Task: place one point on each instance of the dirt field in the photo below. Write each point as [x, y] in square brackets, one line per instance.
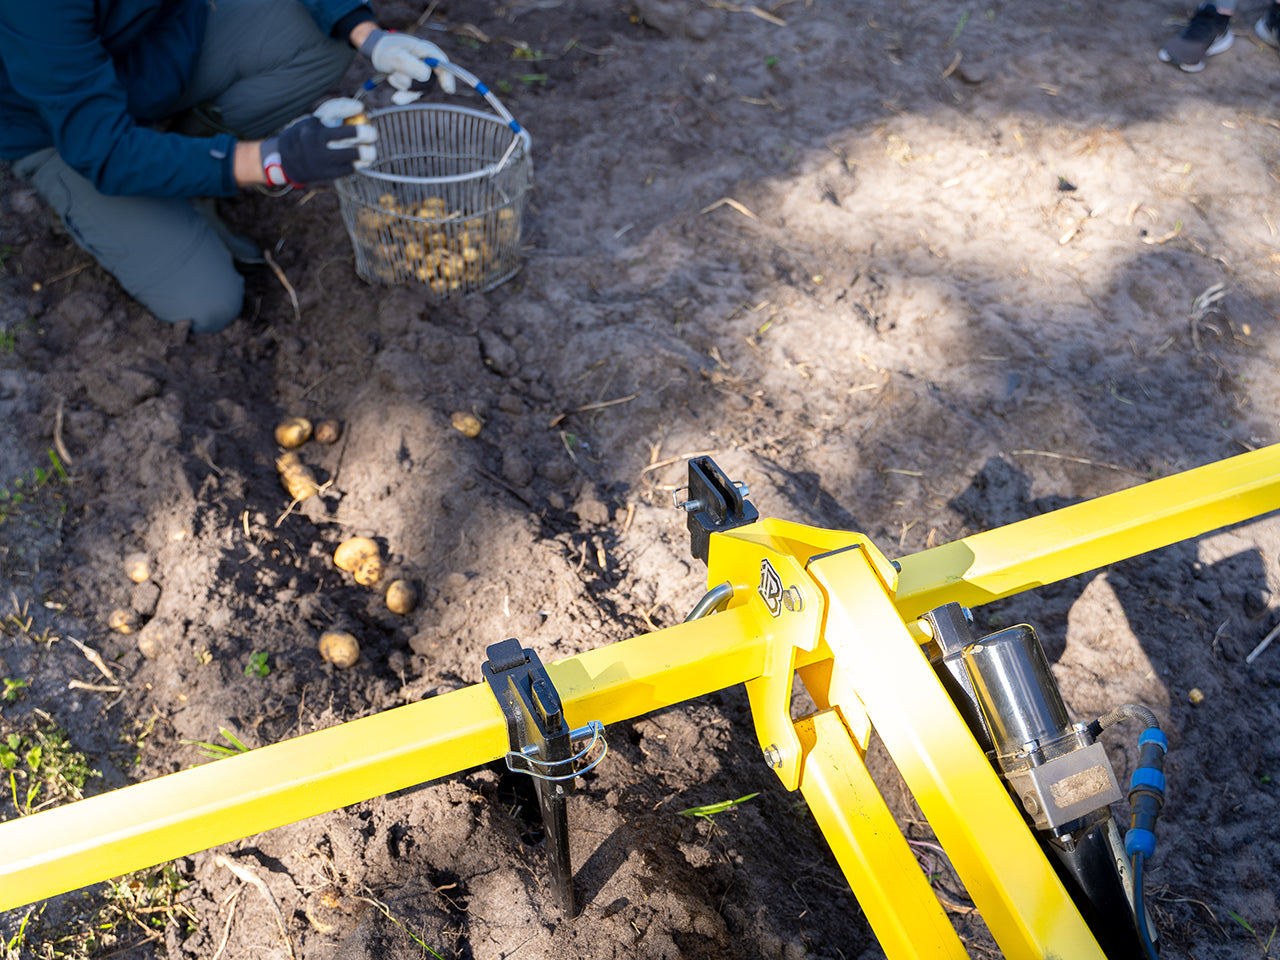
[912, 269]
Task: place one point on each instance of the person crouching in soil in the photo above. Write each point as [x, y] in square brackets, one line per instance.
[84, 85]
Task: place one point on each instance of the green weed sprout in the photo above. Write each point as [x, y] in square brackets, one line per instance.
[12, 690]
[216, 751]
[257, 665]
[711, 809]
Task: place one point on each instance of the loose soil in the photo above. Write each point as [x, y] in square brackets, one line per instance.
[912, 269]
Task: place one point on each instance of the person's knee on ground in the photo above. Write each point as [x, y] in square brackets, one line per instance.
[161, 250]
[210, 310]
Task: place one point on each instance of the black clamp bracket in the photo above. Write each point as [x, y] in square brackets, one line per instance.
[542, 746]
[714, 504]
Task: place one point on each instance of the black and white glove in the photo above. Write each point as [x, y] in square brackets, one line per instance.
[320, 147]
[400, 56]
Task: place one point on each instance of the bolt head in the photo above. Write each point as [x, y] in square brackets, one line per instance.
[793, 599]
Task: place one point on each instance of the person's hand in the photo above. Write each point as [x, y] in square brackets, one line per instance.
[336, 112]
[320, 147]
[400, 57]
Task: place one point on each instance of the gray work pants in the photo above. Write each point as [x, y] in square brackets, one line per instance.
[263, 62]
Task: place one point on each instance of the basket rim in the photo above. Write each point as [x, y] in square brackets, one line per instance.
[520, 139]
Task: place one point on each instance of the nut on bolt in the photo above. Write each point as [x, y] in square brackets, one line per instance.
[773, 756]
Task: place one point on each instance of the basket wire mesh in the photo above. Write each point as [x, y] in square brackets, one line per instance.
[444, 202]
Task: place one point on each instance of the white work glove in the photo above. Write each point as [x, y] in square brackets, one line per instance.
[336, 113]
[400, 57]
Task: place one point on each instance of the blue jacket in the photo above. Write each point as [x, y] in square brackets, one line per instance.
[87, 76]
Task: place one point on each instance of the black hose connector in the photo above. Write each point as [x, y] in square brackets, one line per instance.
[1146, 793]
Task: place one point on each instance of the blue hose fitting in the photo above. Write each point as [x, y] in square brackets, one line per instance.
[1146, 793]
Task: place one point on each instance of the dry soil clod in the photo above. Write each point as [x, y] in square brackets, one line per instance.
[339, 648]
[293, 432]
[402, 597]
[136, 567]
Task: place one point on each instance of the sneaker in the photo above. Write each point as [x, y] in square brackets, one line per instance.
[1209, 32]
[1268, 28]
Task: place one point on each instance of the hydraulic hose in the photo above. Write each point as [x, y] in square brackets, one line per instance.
[1126, 711]
[1139, 910]
[1146, 799]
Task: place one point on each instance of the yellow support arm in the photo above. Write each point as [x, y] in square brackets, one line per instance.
[158, 820]
[1088, 535]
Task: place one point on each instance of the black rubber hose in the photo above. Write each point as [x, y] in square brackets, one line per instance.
[1140, 910]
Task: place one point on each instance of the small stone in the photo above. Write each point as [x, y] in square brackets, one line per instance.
[1195, 696]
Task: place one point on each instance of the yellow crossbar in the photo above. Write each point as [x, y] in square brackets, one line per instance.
[1088, 535]
[151, 822]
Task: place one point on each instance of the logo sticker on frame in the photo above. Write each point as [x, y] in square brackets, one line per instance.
[770, 587]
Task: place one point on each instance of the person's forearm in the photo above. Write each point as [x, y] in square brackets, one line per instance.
[248, 163]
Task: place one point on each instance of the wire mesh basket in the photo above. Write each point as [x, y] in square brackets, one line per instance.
[444, 202]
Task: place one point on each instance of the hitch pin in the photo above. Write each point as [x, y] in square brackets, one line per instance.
[693, 506]
[529, 754]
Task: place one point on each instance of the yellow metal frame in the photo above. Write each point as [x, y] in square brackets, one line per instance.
[848, 627]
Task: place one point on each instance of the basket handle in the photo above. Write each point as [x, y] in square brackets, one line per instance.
[469, 78]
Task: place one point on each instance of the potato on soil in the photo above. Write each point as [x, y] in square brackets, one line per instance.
[123, 621]
[402, 597]
[293, 432]
[467, 424]
[296, 476]
[369, 571]
[328, 431]
[301, 483]
[351, 553]
[136, 567]
[339, 648]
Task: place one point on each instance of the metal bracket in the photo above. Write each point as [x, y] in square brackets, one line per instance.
[536, 729]
[715, 504]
